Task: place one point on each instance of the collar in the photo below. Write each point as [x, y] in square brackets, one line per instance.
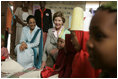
[42, 10]
[55, 31]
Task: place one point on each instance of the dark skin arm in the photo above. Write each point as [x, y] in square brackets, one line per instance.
[23, 46]
[19, 21]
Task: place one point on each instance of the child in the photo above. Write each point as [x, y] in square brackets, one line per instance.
[61, 54]
[81, 67]
[102, 44]
[4, 51]
[65, 58]
[60, 61]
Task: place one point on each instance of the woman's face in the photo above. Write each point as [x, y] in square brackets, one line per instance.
[102, 44]
[32, 23]
[58, 22]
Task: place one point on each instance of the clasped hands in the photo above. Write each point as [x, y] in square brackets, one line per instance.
[23, 46]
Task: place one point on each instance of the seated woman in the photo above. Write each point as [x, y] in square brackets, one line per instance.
[29, 51]
[50, 49]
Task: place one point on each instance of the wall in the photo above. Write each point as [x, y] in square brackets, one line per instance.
[65, 6]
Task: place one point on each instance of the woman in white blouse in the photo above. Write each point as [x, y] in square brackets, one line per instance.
[29, 52]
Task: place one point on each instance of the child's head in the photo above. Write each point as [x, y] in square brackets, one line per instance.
[102, 44]
[60, 43]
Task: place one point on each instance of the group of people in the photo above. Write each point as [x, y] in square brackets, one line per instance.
[72, 53]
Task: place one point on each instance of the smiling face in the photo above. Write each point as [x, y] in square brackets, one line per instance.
[102, 44]
[32, 23]
[58, 22]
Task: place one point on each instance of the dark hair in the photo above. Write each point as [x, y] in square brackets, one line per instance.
[26, 1]
[59, 14]
[110, 6]
[29, 17]
[42, 2]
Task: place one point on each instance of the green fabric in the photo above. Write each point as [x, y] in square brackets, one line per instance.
[111, 4]
[63, 33]
[2, 36]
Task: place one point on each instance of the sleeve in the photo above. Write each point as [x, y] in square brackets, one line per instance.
[23, 35]
[36, 42]
[17, 11]
[9, 18]
[46, 46]
[50, 18]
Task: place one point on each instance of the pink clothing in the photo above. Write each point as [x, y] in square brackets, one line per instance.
[4, 52]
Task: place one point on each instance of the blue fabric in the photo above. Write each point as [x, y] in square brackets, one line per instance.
[38, 57]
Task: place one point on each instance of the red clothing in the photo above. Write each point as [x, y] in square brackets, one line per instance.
[66, 68]
[81, 67]
[60, 59]
[4, 53]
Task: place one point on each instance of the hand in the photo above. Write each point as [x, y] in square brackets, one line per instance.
[54, 51]
[24, 24]
[23, 46]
